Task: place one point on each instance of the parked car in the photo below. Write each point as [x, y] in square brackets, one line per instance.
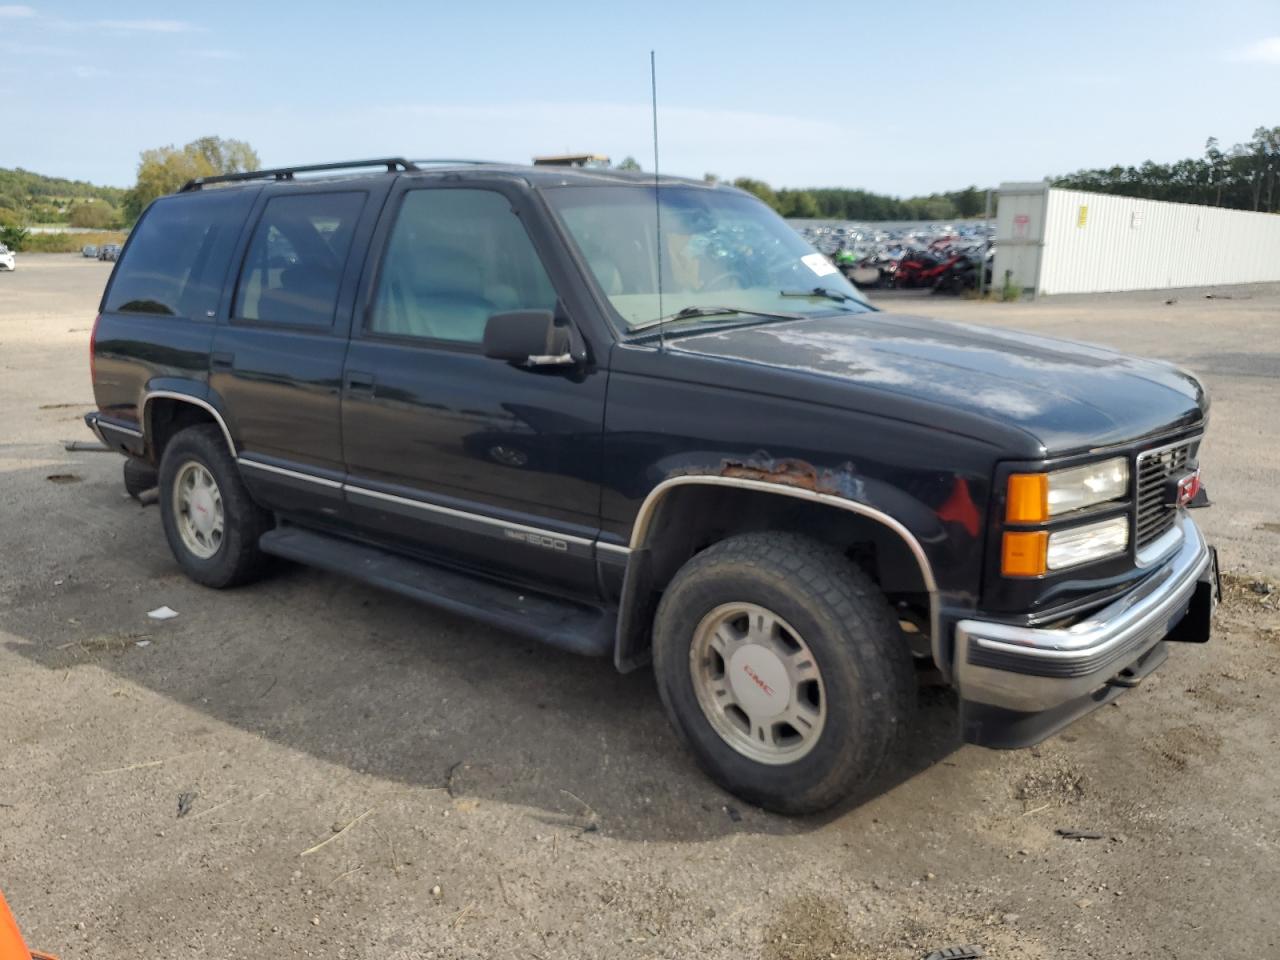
[109, 251]
[8, 261]
[464, 384]
[89, 250]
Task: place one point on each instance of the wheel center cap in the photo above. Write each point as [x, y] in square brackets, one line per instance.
[759, 680]
[202, 511]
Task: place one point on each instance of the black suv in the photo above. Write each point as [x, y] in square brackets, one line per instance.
[647, 420]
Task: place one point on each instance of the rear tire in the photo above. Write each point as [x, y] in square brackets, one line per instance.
[139, 477]
[832, 650]
[210, 521]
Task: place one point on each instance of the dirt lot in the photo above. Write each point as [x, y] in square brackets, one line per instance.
[369, 778]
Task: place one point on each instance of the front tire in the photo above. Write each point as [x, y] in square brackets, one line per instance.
[210, 521]
[783, 669]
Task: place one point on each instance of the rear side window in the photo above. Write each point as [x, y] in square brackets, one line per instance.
[177, 257]
[294, 264]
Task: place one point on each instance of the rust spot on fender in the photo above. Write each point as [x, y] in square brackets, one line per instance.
[788, 472]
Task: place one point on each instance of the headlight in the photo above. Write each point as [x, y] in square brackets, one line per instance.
[1093, 541]
[1033, 553]
[1035, 497]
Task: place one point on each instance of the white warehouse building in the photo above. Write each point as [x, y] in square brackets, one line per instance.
[1068, 241]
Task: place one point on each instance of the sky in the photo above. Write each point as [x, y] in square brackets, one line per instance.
[897, 98]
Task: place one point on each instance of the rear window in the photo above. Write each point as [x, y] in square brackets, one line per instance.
[177, 257]
[294, 264]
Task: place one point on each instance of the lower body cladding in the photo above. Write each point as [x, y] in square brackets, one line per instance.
[1019, 685]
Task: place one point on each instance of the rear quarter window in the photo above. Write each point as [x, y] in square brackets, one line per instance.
[176, 260]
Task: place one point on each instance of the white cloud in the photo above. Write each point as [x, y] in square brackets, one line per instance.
[145, 26]
[35, 50]
[1266, 50]
[15, 11]
[86, 72]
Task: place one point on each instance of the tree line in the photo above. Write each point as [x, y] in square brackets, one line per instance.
[27, 198]
[844, 203]
[1243, 177]
[847, 203]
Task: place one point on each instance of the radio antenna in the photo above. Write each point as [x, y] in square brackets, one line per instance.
[657, 200]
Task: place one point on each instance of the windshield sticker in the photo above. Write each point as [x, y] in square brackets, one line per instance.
[818, 264]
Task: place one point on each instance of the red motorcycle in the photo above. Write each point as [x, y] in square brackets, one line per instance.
[921, 269]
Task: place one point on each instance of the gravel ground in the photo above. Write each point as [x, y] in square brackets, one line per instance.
[364, 777]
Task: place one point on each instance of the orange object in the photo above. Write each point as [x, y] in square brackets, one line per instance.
[1025, 554]
[1028, 500]
[12, 946]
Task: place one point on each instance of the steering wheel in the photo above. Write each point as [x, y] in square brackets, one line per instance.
[715, 282]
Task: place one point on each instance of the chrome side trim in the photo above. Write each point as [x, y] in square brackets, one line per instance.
[645, 516]
[465, 515]
[92, 421]
[104, 424]
[188, 398]
[615, 548]
[296, 475]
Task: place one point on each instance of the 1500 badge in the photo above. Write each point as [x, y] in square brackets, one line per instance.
[537, 540]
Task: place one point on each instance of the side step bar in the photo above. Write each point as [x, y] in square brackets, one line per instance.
[578, 629]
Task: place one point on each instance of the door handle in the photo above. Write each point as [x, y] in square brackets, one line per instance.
[359, 382]
[222, 361]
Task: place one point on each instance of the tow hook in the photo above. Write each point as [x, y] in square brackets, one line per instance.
[1141, 668]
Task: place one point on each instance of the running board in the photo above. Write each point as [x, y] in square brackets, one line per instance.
[569, 626]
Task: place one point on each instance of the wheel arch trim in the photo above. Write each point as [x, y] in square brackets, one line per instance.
[648, 510]
[186, 398]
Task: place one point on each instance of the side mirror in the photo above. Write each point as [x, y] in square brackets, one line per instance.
[529, 338]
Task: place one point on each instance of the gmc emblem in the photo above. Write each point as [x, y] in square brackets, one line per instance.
[1183, 490]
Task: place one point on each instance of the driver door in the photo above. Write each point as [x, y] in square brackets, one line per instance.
[471, 460]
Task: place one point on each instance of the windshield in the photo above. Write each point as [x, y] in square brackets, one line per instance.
[720, 249]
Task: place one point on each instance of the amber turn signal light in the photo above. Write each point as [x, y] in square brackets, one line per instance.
[1025, 553]
[1028, 500]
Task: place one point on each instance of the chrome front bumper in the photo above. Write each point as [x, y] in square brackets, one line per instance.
[1019, 685]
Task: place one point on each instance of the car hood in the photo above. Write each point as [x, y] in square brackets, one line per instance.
[1068, 395]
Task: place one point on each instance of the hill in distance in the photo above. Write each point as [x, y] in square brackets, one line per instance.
[31, 198]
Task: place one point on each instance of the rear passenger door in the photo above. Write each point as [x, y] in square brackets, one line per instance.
[449, 452]
[277, 361]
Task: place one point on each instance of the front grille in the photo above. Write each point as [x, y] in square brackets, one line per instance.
[1155, 514]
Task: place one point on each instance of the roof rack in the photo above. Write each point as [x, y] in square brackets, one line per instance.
[469, 163]
[393, 164]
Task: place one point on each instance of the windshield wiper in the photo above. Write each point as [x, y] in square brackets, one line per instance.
[694, 313]
[835, 295]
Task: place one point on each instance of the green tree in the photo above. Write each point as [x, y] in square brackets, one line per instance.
[226, 156]
[798, 203]
[165, 169]
[969, 202]
[629, 163]
[15, 238]
[96, 215]
[1246, 176]
[759, 188]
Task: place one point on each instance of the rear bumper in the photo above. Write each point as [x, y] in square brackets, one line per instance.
[1019, 685]
[120, 437]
